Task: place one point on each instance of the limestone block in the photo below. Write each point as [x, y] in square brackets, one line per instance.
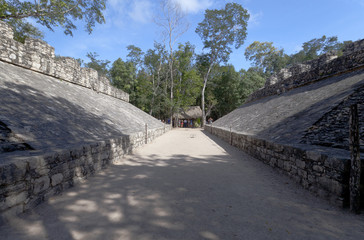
[11, 173]
[314, 156]
[56, 179]
[318, 169]
[302, 173]
[39, 46]
[301, 164]
[331, 185]
[283, 74]
[287, 166]
[6, 31]
[273, 162]
[311, 178]
[13, 200]
[41, 184]
[13, 188]
[280, 163]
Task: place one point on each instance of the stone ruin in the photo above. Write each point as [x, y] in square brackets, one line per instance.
[39, 56]
[59, 123]
[311, 71]
[299, 122]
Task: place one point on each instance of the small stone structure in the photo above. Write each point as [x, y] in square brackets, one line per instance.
[59, 123]
[38, 56]
[299, 122]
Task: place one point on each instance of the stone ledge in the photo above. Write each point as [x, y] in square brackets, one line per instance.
[328, 65]
[39, 56]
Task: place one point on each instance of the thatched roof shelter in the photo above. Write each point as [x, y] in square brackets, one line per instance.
[193, 112]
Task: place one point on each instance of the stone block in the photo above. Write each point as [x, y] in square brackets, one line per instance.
[302, 173]
[56, 179]
[318, 169]
[13, 188]
[287, 166]
[13, 200]
[314, 156]
[306, 184]
[273, 162]
[280, 163]
[41, 184]
[11, 173]
[311, 178]
[301, 164]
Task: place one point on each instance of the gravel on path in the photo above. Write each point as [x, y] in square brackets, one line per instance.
[186, 185]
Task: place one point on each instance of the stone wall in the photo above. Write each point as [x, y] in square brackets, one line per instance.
[38, 56]
[29, 180]
[312, 71]
[332, 130]
[327, 176]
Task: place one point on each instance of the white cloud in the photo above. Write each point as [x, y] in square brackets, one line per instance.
[194, 6]
[141, 11]
[255, 18]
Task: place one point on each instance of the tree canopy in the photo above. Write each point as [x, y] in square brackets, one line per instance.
[266, 57]
[219, 30]
[55, 13]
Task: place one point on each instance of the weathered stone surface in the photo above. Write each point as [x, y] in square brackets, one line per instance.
[299, 75]
[70, 114]
[73, 129]
[56, 179]
[13, 200]
[37, 55]
[332, 129]
[285, 118]
[313, 170]
[41, 184]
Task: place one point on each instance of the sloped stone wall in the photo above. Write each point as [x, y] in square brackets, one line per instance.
[26, 181]
[74, 132]
[312, 71]
[332, 130]
[38, 56]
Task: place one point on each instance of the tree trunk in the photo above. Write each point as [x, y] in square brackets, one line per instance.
[203, 120]
[172, 85]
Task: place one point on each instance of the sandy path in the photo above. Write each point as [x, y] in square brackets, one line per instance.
[186, 185]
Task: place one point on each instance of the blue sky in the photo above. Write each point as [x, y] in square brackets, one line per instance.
[286, 23]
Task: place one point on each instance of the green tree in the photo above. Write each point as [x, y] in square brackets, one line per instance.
[55, 13]
[250, 81]
[227, 90]
[155, 62]
[174, 25]
[135, 55]
[188, 82]
[143, 91]
[266, 57]
[220, 29]
[101, 66]
[23, 30]
[316, 47]
[123, 77]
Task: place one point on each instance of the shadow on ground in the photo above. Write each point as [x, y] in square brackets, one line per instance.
[223, 194]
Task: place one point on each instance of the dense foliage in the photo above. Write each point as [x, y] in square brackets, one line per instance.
[51, 14]
[146, 76]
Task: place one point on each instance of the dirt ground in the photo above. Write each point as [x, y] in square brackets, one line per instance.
[186, 185]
